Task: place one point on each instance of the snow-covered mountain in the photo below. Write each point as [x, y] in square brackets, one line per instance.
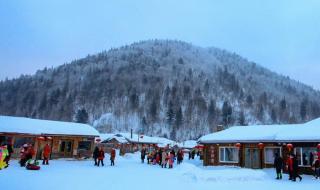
[162, 87]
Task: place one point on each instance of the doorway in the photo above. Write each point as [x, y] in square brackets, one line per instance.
[252, 158]
[65, 148]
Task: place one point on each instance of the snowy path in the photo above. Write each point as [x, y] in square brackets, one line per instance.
[129, 173]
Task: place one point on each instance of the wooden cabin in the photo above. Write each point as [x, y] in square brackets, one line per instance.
[255, 146]
[66, 139]
[128, 142]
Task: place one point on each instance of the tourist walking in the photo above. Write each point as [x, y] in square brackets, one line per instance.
[278, 165]
[316, 166]
[143, 155]
[295, 169]
[95, 155]
[46, 154]
[112, 156]
[100, 156]
[164, 159]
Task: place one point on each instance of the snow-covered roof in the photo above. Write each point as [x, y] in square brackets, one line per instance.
[126, 137]
[188, 144]
[306, 132]
[110, 136]
[9, 124]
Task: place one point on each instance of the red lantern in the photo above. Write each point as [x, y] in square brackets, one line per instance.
[238, 145]
[260, 145]
[289, 146]
[41, 138]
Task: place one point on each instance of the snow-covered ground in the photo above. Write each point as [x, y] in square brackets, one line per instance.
[129, 173]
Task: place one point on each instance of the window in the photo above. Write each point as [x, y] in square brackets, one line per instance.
[269, 154]
[305, 155]
[84, 145]
[20, 141]
[228, 154]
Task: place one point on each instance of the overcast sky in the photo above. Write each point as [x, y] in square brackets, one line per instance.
[283, 36]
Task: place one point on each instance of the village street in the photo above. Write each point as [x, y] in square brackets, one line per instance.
[129, 173]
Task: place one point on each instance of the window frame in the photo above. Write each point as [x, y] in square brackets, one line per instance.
[224, 154]
[301, 157]
[271, 147]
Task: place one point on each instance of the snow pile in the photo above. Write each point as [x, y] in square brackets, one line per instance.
[265, 133]
[24, 125]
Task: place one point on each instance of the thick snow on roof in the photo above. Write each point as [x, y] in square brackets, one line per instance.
[267, 133]
[126, 137]
[109, 136]
[9, 124]
[188, 144]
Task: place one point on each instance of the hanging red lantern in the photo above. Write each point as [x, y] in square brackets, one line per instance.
[41, 138]
[260, 145]
[289, 146]
[318, 146]
[238, 145]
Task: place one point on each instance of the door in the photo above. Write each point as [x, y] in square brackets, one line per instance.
[252, 158]
[66, 148]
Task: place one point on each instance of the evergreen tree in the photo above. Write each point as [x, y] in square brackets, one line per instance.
[170, 114]
[242, 119]
[179, 118]
[226, 113]
[82, 116]
[303, 109]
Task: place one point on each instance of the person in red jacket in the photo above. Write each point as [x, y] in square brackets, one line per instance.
[112, 156]
[46, 154]
[100, 156]
[290, 166]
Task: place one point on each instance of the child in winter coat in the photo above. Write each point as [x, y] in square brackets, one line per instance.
[112, 156]
[46, 154]
[100, 156]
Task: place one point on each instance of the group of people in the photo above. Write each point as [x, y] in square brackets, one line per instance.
[292, 166]
[162, 157]
[27, 153]
[98, 156]
[5, 154]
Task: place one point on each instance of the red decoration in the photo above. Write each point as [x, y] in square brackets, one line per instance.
[199, 146]
[41, 138]
[318, 146]
[238, 145]
[289, 146]
[260, 145]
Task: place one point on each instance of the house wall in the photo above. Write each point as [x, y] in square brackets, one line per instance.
[55, 144]
[211, 154]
